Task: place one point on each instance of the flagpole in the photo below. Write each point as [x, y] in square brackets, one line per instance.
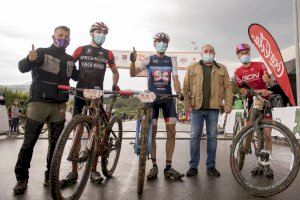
[297, 56]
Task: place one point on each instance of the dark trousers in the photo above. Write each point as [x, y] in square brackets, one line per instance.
[14, 124]
[32, 131]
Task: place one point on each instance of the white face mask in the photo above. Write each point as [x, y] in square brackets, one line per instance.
[99, 38]
[208, 58]
[245, 59]
[161, 47]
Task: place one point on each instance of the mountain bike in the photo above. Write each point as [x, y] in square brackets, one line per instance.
[144, 138]
[250, 145]
[95, 134]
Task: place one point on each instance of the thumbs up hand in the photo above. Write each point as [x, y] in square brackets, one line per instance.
[266, 77]
[133, 55]
[32, 56]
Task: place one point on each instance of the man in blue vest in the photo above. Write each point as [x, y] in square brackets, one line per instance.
[160, 70]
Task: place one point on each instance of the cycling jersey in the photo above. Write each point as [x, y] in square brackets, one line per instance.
[159, 71]
[251, 75]
[92, 65]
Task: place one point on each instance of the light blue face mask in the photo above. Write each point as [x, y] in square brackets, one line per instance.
[208, 58]
[161, 47]
[245, 59]
[99, 39]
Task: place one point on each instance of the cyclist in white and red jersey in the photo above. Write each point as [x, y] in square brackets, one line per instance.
[256, 76]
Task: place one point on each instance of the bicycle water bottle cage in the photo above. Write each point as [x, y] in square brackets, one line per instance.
[92, 93]
[147, 97]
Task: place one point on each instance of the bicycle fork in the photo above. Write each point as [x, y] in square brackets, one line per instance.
[74, 152]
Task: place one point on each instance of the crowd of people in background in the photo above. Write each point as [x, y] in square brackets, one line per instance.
[183, 116]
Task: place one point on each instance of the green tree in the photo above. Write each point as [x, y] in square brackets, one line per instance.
[10, 96]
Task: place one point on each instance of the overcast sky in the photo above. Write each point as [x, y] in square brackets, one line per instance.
[222, 23]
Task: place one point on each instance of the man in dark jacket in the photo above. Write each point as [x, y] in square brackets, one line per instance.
[49, 67]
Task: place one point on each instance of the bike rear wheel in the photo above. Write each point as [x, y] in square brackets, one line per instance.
[284, 159]
[65, 154]
[143, 153]
[21, 127]
[111, 155]
[45, 128]
[238, 125]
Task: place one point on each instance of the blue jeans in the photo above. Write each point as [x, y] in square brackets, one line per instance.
[198, 117]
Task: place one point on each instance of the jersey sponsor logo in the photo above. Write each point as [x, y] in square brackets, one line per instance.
[88, 51]
[238, 79]
[251, 77]
[92, 65]
[161, 75]
[155, 61]
[94, 58]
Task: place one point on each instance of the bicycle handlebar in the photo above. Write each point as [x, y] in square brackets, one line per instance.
[167, 96]
[124, 93]
[251, 91]
[64, 87]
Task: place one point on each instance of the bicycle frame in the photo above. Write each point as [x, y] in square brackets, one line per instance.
[100, 116]
[257, 131]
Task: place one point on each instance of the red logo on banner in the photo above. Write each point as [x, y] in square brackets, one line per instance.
[269, 51]
[124, 57]
[183, 60]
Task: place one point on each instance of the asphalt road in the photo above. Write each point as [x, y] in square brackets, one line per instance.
[123, 184]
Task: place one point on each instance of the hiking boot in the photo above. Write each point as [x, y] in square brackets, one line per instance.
[69, 180]
[171, 173]
[213, 172]
[20, 187]
[268, 172]
[257, 170]
[192, 172]
[96, 177]
[152, 173]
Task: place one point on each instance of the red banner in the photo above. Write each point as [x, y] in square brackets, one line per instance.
[269, 51]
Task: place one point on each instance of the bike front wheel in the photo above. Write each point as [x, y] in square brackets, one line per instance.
[266, 171]
[76, 152]
[143, 153]
[238, 125]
